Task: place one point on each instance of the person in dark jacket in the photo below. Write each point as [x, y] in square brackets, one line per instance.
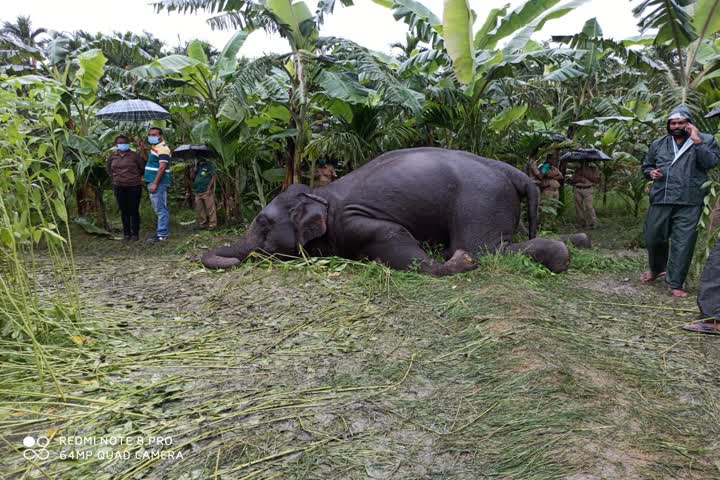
[677, 164]
[709, 295]
[125, 167]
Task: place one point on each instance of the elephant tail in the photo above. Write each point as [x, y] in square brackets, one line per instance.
[532, 194]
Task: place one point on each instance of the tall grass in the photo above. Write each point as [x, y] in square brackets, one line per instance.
[34, 234]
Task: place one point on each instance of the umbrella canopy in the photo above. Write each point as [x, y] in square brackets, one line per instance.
[585, 155]
[192, 150]
[713, 113]
[133, 111]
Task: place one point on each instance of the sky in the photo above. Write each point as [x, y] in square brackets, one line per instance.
[366, 23]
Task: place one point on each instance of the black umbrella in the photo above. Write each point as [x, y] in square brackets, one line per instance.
[192, 150]
[585, 155]
[713, 113]
[133, 111]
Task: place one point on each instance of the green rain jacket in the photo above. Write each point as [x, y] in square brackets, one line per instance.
[683, 177]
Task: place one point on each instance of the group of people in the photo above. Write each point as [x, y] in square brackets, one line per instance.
[129, 170]
[677, 164]
[549, 178]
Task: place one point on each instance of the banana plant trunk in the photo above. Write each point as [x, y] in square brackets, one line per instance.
[298, 112]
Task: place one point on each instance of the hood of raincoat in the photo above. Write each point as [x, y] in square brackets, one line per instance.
[682, 110]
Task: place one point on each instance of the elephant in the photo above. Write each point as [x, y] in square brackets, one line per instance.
[386, 209]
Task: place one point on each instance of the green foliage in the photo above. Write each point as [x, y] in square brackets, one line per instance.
[632, 186]
[33, 217]
[593, 261]
[512, 263]
[457, 28]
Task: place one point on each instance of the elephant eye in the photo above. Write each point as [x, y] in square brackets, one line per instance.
[262, 221]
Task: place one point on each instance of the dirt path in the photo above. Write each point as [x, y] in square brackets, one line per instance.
[331, 370]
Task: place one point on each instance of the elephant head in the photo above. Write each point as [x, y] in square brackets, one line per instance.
[293, 218]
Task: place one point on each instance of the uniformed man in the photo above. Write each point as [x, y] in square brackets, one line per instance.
[677, 164]
[324, 174]
[584, 178]
[548, 177]
[203, 185]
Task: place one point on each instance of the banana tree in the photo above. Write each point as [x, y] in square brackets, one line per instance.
[79, 76]
[473, 53]
[17, 57]
[478, 64]
[688, 29]
[217, 89]
[295, 22]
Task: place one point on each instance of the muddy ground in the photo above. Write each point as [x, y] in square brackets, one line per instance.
[330, 369]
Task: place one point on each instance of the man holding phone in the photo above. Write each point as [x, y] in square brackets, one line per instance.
[677, 164]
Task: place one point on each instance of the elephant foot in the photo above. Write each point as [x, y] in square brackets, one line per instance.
[553, 254]
[461, 261]
[579, 240]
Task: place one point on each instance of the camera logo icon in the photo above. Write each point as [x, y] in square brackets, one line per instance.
[35, 448]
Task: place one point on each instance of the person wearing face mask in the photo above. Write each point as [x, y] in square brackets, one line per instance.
[678, 165]
[125, 168]
[157, 178]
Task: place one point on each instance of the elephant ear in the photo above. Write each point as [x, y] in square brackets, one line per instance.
[309, 217]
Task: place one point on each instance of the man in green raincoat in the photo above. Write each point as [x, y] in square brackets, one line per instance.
[677, 164]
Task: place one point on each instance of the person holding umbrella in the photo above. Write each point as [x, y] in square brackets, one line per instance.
[585, 176]
[157, 173]
[157, 178]
[204, 187]
[125, 168]
[678, 165]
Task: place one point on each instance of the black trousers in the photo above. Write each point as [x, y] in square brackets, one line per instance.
[709, 294]
[128, 199]
[670, 235]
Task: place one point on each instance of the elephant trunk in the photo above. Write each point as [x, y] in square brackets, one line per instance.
[532, 193]
[227, 257]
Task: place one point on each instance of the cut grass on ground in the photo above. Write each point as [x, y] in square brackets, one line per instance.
[322, 368]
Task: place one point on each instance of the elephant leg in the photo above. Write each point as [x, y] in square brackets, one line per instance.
[479, 236]
[553, 254]
[394, 246]
[579, 240]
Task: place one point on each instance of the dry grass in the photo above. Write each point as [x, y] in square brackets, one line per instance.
[329, 369]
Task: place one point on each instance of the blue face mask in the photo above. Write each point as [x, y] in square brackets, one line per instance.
[153, 139]
[123, 147]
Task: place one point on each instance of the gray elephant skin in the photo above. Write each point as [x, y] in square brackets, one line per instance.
[386, 209]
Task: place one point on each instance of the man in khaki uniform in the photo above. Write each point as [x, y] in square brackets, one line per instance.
[324, 174]
[585, 177]
[534, 173]
[550, 178]
[205, 193]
